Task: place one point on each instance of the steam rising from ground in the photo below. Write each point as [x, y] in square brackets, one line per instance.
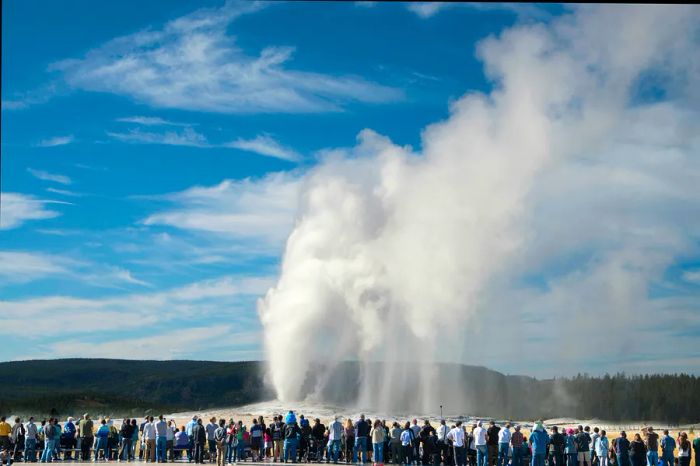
[585, 151]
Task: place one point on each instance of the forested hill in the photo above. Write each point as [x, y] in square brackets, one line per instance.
[122, 387]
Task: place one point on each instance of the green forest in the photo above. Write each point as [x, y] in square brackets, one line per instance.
[122, 387]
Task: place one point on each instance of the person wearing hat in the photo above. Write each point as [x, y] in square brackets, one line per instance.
[539, 440]
[516, 443]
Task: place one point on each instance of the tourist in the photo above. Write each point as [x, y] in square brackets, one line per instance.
[241, 434]
[406, 444]
[362, 429]
[570, 449]
[318, 432]
[148, 438]
[557, 443]
[668, 446]
[86, 434]
[161, 430]
[441, 433]
[291, 434]
[539, 440]
[231, 442]
[602, 447]
[457, 437]
[516, 442]
[17, 435]
[592, 444]
[5, 432]
[335, 436]
[134, 438]
[504, 445]
[583, 441]
[210, 429]
[277, 430]
[638, 451]
[378, 435]
[199, 439]
[652, 443]
[170, 440]
[182, 441]
[102, 439]
[188, 428]
[49, 442]
[696, 449]
[622, 450]
[480, 443]
[492, 443]
[31, 433]
[220, 441]
[684, 450]
[126, 435]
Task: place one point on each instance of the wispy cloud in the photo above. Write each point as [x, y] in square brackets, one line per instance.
[266, 145]
[56, 141]
[46, 176]
[19, 266]
[186, 137]
[150, 121]
[429, 9]
[16, 209]
[63, 192]
[193, 64]
[261, 210]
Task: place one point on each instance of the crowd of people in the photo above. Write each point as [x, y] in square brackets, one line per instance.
[288, 439]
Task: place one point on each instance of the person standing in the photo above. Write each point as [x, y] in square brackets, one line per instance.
[87, 436]
[220, 440]
[638, 451]
[570, 449]
[125, 435]
[335, 435]
[69, 438]
[18, 435]
[211, 441]
[161, 428]
[652, 444]
[539, 440]
[149, 440]
[482, 452]
[516, 442]
[459, 447]
[101, 437]
[684, 450]
[361, 433]
[188, 429]
[31, 433]
[668, 446]
[277, 429]
[377, 435]
[49, 442]
[504, 445]
[199, 436]
[602, 447]
[5, 432]
[583, 441]
[170, 440]
[406, 444]
[441, 433]
[291, 438]
[231, 443]
[622, 450]
[492, 443]
[558, 442]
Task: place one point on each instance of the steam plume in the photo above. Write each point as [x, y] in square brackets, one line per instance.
[415, 257]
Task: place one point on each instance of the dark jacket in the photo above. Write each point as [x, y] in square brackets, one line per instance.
[291, 431]
[199, 434]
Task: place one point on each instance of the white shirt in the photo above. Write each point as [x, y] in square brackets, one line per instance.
[170, 433]
[161, 428]
[405, 438]
[479, 436]
[442, 432]
[149, 431]
[457, 436]
[504, 436]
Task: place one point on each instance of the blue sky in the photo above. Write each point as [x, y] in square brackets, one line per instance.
[152, 152]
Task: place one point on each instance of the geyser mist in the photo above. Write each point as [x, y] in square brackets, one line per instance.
[411, 258]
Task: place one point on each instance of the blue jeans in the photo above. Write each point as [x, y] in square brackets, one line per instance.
[652, 458]
[230, 453]
[240, 449]
[161, 449]
[378, 450]
[624, 460]
[482, 455]
[335, 445]
[360, 444]
[47, 454]
[30, 449]
[503, 454]
[517, 456]
[101, 445]
[667, 459]
[290, 450]
[537, 459]
[572, 459]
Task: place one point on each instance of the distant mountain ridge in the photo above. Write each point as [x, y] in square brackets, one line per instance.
[128, 387]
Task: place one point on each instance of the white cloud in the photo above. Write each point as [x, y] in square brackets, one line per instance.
[19, 267]
[266, 145]
[692, 276]
[64, 192]
[427, 10]
[56, 141]
[259, 210]
[218, 298]
[187, 137]
[150, 121]
[16, 208]
[46, 176]
[191, 63]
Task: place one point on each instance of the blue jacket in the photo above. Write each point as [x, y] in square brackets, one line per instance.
[570, 446]
[668, 445]
[539, 441]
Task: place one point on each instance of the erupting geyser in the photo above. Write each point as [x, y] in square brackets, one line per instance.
[415, 257]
